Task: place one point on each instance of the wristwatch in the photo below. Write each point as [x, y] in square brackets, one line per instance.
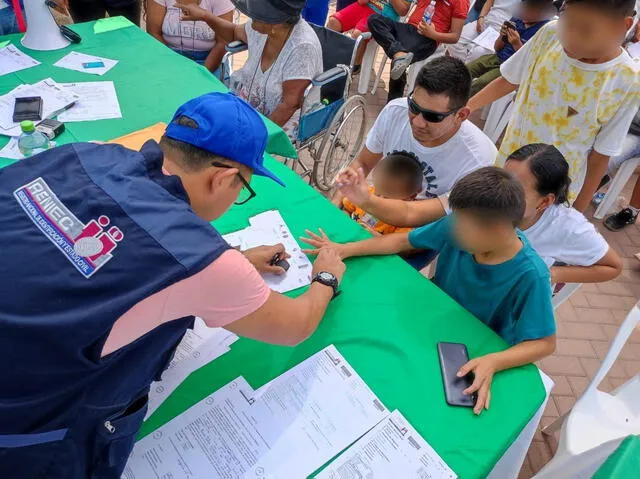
[328, 280]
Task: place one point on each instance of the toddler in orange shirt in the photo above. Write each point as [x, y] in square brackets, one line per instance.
[398, 176]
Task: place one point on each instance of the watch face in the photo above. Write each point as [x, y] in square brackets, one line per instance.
[326, 276]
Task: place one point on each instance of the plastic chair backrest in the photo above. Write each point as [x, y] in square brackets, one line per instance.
[626, 328]
[337, 49]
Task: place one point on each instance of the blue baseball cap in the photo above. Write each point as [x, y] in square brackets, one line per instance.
[225, 125]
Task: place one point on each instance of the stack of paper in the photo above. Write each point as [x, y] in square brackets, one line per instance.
[392, 449]
[269, 228]
[98, 101]
[286, 429]
[55, 99]
[487, 38]
[13, 60]
[198, 347]
[75, 61]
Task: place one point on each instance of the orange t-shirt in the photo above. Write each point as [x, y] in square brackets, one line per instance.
[359, 214]
[445, 11]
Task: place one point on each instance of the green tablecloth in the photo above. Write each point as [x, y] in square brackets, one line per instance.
[624, 463]
[151, 82]
[386, 323]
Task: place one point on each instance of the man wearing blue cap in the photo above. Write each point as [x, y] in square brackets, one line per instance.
[110, 255]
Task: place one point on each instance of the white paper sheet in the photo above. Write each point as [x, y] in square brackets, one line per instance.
[13, 60]
[634, 50]
[198, 347]
[286, 429]
[269, 228]
[55, 99]
[98, 101]
[74, 61]
[392, 449]
[487, 38]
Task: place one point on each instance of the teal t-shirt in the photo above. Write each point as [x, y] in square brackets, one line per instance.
[385, 8]
[512, 298]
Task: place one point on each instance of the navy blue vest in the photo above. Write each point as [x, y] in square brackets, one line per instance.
[86, 232]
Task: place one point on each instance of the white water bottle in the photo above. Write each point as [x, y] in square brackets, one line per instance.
[429, 11]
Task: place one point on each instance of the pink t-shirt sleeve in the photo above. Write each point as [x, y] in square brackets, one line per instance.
[228, 289]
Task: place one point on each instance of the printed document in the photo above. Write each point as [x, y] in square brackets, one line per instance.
[75, 61]
[287, 429]
[98, 101]
[13, 60]
[392, 449]
[487, 38]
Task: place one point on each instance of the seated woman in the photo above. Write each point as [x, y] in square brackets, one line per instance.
[284, 54]
[565, 240]
[192, 39]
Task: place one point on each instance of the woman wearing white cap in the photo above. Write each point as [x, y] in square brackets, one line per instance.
[284, 56]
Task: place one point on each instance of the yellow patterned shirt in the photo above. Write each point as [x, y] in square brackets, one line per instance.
[573, 105]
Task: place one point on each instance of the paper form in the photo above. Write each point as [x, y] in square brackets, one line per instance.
[269, 228]
[487, 39]
[74, 61]
[392, 449]
[287, 429]
[55, 99]
[13, 60]
[198, 347]
[98, 101]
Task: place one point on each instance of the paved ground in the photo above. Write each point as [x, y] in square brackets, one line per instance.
[586, 323]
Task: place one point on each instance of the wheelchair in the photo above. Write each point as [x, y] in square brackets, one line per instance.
[332, 131]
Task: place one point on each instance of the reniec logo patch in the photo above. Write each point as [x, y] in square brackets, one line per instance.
[88, 247]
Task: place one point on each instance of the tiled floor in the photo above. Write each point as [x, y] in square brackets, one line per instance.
[586, 323]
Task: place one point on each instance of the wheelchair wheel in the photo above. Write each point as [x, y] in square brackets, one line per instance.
[341, 142]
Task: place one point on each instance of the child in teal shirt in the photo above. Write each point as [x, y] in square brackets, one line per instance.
[486, 265]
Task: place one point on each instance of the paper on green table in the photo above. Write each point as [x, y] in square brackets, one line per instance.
[5, 43]
[111, 23]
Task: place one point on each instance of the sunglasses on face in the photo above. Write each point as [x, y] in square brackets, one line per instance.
[429, 115]
[246, 193]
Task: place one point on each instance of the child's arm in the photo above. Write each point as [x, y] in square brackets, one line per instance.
[597, 165]
[401, 6]
[606, 269]
[486, 366]
[452, 36]
[380, 245]
[353, 186]
[494, 90]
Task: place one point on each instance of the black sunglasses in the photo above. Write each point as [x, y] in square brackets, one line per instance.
[429, 115]
[245, 183]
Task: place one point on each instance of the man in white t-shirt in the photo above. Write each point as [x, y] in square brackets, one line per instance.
[493, 15]
[432, 124]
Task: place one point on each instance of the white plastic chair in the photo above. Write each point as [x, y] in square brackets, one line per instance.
[499, 116]
[564, 293]
[616, 186]
[598, 421]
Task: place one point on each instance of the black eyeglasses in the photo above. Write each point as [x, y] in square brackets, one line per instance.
[429, 115]
[247, 192]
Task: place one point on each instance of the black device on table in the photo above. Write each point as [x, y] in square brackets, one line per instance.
[452, 357]
[50, 128]
[508, 24]
[27, 108]
[278, 261]
[62, 17]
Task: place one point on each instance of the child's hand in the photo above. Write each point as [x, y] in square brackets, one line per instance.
[483, 369]
[368, 227]
[513, 37]
[426, 29]
[353, 186]
[319, 242]
[191, 12]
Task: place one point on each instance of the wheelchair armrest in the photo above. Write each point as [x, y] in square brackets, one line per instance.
[329, 76]
[236, 46]
[365, 35]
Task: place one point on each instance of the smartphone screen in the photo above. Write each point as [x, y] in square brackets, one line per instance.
[452, 357]
[59, 12]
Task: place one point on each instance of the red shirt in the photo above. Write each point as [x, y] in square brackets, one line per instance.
[445, 11]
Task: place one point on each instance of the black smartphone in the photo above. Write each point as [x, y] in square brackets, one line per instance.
[508, 24]
[27, 108]
[452, 357]
[62, 17]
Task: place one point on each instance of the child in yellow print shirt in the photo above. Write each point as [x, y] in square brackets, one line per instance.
[398, 176]
[577, 89]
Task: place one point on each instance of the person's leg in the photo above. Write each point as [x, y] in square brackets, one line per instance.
[461, 49]
[87, 10]
[348, 18]
[483, 80]
[8, 21]
[416, 48]
[626, 216]
[130, 10]
[316, 11]
[383, 30]
[483, 71]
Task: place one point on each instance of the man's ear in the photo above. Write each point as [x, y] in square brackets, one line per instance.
[220, 177]
[463, 113]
